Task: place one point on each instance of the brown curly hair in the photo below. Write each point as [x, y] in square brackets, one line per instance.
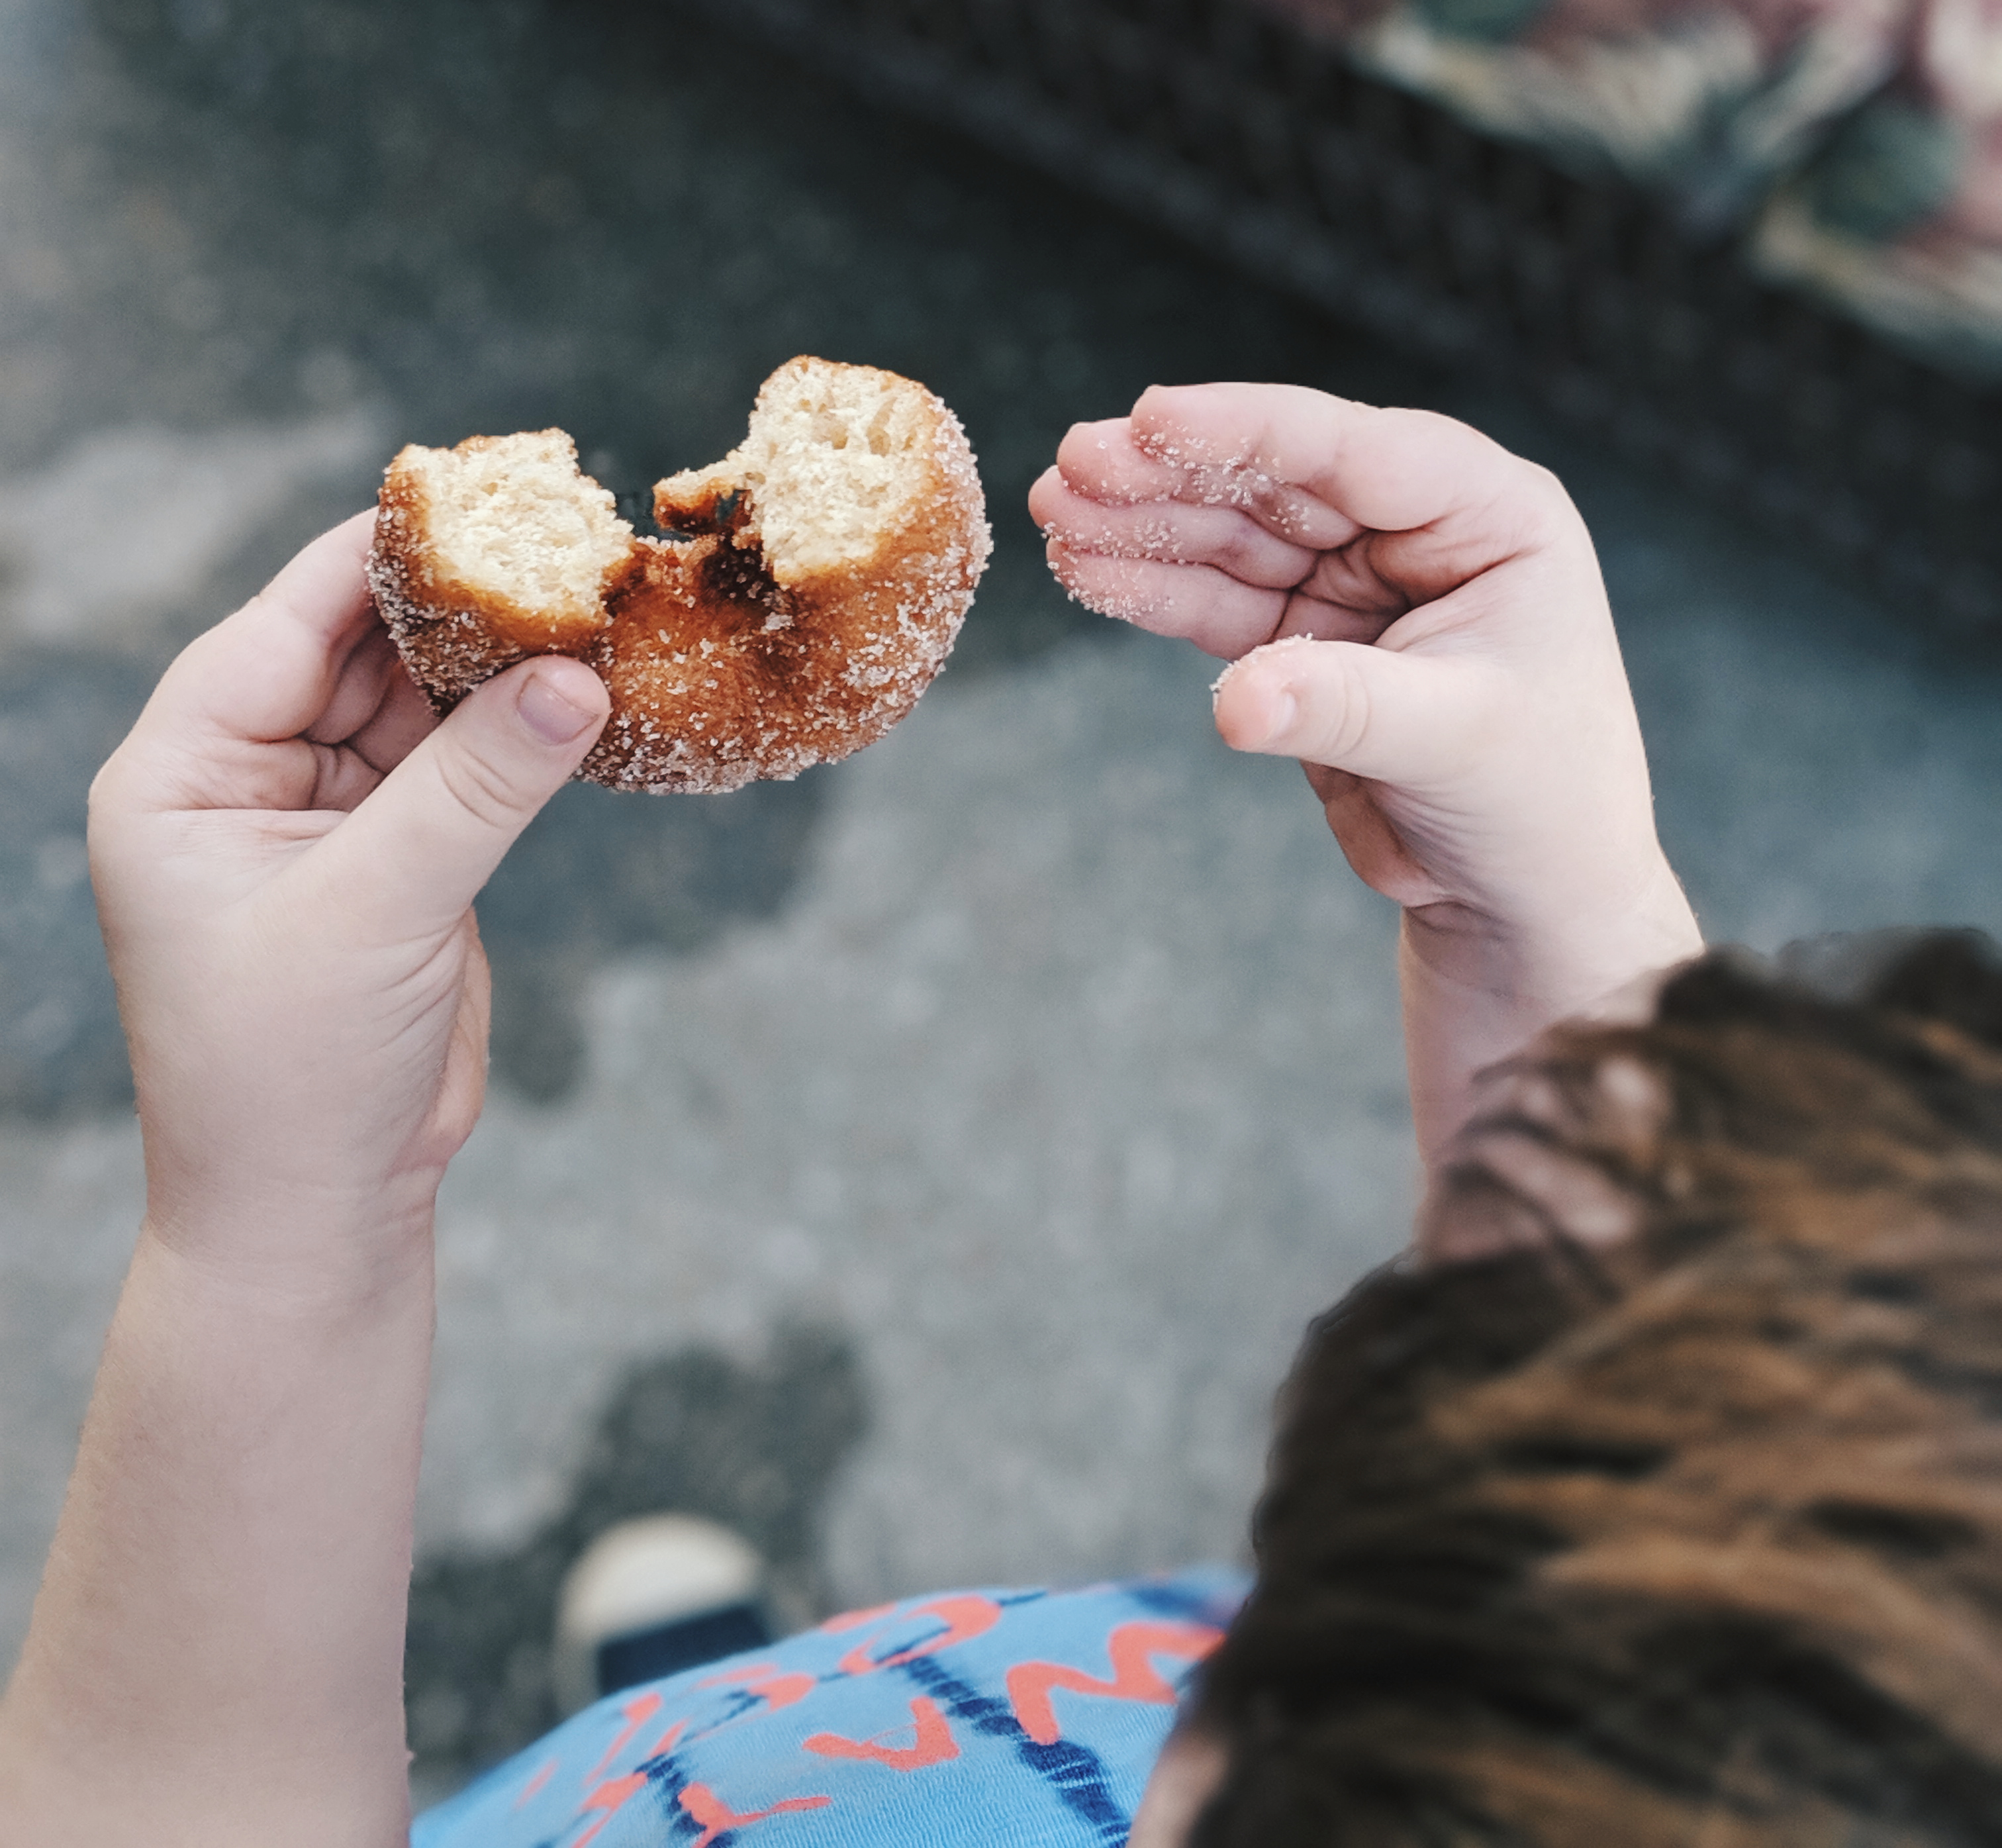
[1680, 1521]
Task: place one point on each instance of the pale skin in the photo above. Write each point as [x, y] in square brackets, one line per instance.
[1417, 616]
[286, 852]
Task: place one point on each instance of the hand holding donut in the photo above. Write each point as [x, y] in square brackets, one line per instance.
[287, 846]
[1417, 615]
[286, 851]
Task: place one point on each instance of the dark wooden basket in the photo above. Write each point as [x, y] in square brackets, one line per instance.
[1237, 130]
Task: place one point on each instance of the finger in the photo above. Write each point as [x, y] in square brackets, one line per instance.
[1117, 463]
[342, 780]
[1390, 471]
[361, 682]
[1217, 612]
[1354, 578]
[396, 726]
[345, 772]
[408, 861]
[1102, 462]
[267, 671]
[1376, 713]
[1323, 622]
[1168, 530]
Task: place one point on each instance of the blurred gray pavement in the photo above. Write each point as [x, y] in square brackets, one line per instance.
[929, 1165]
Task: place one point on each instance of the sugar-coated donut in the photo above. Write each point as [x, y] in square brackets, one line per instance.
[809, 586]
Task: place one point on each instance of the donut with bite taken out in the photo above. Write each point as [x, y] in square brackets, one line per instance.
[803, 591]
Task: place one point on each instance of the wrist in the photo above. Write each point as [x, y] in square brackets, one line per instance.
[1478, 987]
[290, 1248]
[1548, 961]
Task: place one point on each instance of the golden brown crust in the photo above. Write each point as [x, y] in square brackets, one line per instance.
[719, 674]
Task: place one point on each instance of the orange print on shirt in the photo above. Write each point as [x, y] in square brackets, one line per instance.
[965, 1618]
[775, 1688]
[1130, 1646]
[534, 1786]
[704, 1806]
[611, 1797]
[854, 1619]
[935, 1744]
[637, 1712]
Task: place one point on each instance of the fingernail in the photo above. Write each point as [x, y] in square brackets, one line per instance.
[549, 712]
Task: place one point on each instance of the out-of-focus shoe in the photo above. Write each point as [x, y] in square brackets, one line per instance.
[652, 1596]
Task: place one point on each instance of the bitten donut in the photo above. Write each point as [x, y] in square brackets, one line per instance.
[806, 591]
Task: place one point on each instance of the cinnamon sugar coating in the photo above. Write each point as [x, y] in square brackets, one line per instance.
[727, 659]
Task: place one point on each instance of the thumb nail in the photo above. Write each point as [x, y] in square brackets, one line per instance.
[549, 712]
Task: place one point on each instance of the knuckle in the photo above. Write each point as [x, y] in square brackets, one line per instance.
[482, 789]
[1332, 719]
[1347, 721]
[1545, 499]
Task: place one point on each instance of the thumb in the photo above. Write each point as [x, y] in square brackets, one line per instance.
[1376, 713]
[412, 856]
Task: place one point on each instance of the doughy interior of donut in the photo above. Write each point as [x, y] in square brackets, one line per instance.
[832, 456]
[511, 516]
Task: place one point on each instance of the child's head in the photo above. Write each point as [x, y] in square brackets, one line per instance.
[1681, 1521]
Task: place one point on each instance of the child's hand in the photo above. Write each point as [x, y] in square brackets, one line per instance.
[1417, 615]
[286, 851]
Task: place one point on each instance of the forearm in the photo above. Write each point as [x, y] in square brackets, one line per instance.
[1474, 994]
[216, 1655]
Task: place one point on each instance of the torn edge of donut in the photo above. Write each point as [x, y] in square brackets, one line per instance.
[854, 485]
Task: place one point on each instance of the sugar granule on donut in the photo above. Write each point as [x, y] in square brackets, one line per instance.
[805, 590]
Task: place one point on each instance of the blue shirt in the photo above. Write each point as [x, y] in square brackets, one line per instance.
[961, 1721]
